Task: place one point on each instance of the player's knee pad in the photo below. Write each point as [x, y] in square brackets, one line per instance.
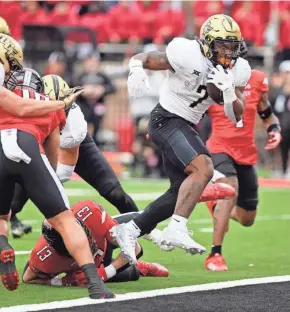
[121, 200]
[247, 204]
[64, 172]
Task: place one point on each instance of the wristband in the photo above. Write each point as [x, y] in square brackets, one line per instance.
[110, 271]
[274, 128]
[229, 96]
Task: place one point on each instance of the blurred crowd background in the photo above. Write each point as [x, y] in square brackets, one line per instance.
[89, 43]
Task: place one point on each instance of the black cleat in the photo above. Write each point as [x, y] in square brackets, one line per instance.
[18, 229]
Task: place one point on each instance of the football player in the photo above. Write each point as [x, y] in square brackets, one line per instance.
[190, 65]
[234, 155]
[49, 258]
[23, 161]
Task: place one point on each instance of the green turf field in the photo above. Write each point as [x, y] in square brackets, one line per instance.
[261, 250]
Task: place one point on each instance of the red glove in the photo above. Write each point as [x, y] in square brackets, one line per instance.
[77, 278]
[273, 141]
[102, 273]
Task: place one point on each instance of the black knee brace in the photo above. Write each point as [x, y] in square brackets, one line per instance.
[121, 200]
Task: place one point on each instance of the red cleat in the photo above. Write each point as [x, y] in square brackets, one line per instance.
[216, 263]
[152, 269]
[216, 191]
[8, 271]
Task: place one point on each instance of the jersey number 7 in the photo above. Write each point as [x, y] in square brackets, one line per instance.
[202, 91]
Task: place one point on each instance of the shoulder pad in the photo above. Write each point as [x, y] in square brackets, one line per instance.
[183, 53]
[242, 72]
[2, 75]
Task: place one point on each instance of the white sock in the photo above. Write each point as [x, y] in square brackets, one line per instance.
[134, 228]
[110, 271]
[177, 223]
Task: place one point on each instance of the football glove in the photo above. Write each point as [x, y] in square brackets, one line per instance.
[222, 79]
[138, 82]
[102, 272]
[70, 96]
[77, 278]
[273, 140]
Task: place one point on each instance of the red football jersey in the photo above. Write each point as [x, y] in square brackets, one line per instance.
[238, 140]
[40, 127]
[47, 263]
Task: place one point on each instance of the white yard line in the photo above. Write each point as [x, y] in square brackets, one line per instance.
[146, 294]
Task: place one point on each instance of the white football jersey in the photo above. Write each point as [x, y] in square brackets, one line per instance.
[75, 129]
[2, 75]
[184, 90]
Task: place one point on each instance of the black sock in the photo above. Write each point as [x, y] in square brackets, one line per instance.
[3, 242]
[97, 288]
[216, 249]
[13, 219]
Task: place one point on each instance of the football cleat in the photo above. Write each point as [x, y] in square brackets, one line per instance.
[156, 236]
[126, 241]
[215, 191]
[182, 239]
[216, 262]
[8, 271]
[152, 269]
[18, 229]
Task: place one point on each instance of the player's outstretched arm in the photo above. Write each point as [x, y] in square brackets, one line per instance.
[270, 121]
[239, 103]
[22, 107]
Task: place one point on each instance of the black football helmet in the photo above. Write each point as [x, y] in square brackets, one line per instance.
[25, 77]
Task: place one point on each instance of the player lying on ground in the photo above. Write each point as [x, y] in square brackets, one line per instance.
[184, 98]
[49, 258]
[23, 160]
[234, 154]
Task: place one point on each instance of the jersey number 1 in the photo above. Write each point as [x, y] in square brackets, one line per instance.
[202, 91]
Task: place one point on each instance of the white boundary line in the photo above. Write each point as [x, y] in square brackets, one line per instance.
[146, 294]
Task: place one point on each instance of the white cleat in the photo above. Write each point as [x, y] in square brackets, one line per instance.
[182, 239]
[156, 236]
[126, 241]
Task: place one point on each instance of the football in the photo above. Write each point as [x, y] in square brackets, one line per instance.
[215, 93]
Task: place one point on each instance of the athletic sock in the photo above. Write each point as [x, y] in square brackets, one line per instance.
[97, 288]
[178, 223]
[3, 242]
[216, 249]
